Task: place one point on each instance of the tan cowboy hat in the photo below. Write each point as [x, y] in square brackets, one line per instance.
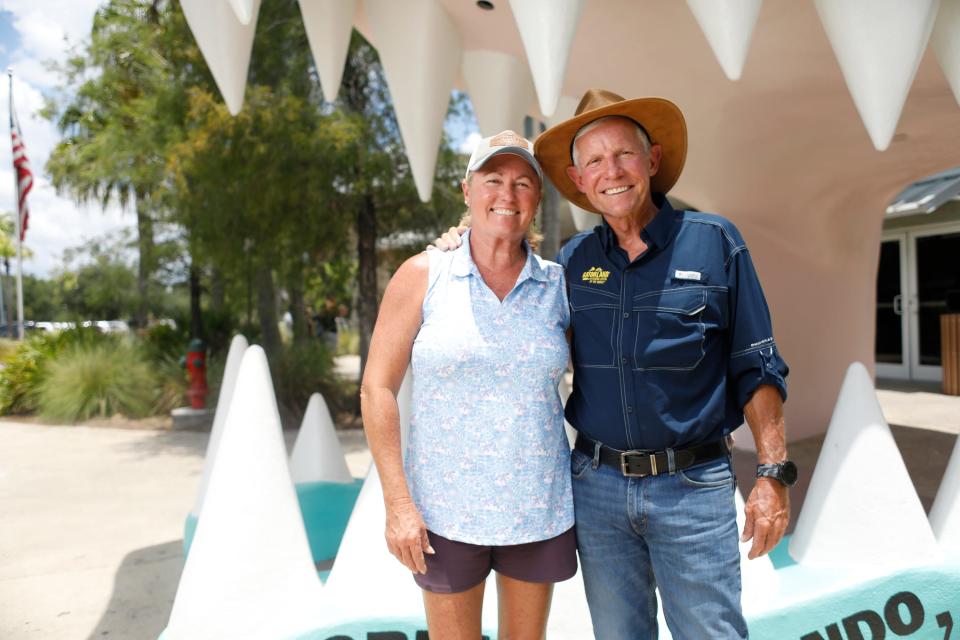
[661, 119]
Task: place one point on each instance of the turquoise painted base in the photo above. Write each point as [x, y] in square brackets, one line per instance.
[920, 603]
[399, 629]
[325, 507]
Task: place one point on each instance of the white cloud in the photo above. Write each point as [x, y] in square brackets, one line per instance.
[470, 142]
[46, 30]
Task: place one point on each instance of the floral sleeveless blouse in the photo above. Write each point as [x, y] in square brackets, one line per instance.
[487, 459]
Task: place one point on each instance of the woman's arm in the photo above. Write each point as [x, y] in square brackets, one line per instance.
[397, 325]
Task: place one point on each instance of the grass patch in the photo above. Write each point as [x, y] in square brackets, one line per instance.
[98, 379]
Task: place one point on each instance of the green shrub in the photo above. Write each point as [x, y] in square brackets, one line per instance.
[299, 371]
[24, 370]
[99, 378]
[162, 342]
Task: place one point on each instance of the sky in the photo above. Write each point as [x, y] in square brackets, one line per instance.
[33, 32]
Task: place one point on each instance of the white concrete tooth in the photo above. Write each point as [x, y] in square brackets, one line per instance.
[566, 108]
[329, 24]
[945, 512]
[547, 28]
[363, 553]
[946, 43]
[226, 44]
[420, 49]
[500, 89]
[405, 407]
[583, 220]
[759, 579]
[317, 455]
[245, 9]
[565, 389]
[249, 573]
[878, 44]
[861, 510]
[728, 26]
[238, 346]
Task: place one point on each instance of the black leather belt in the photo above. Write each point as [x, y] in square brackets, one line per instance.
[640, 463]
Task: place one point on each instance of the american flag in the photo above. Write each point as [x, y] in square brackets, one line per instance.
[22, 166]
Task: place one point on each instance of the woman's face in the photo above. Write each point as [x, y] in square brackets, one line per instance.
[503, 196]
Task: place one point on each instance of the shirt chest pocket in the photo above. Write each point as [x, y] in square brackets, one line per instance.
[594, 321]
[670, 329]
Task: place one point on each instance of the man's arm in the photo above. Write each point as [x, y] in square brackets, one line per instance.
[768, 507]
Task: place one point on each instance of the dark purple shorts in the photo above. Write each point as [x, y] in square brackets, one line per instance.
[459, 566]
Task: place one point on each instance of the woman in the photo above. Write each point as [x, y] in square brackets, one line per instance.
[486, 483]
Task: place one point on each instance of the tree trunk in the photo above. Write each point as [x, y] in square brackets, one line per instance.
[267, 311]
[298, 308]
[366, 274]
[196, 319]
[218, 291]
[145, 261]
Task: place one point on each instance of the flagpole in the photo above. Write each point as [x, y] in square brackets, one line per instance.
[16, 215]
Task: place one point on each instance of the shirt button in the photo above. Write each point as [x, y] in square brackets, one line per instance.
[626, 314]
[629, 409]
[623, 360]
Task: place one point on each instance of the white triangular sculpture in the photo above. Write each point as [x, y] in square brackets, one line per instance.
[570, 616]
[566, 108]
[759, 579]
[245, 9]
[861, 509]
[317, 455]
[583, 220]
[249, 573]
[329, 24]
[946, 43]
[226, 44]
[405, 407]
[500, 89]
[945, 512]
[878, 44]
[419, 48]
[728, 26]
[238, 346]
[547, 28]
[363, 553]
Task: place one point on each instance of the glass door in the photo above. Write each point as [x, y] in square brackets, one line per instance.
[935, 290]
[891, 346]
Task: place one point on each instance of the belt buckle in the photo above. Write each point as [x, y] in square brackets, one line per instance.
[623, 464]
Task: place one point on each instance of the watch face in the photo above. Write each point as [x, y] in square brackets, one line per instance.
[788, 473]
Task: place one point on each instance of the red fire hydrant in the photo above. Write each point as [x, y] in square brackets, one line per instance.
[196, 364]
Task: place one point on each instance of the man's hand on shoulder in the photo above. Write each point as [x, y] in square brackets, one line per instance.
[449, 240]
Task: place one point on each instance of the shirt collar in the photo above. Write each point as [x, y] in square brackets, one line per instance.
[463, 264]
[658, 231]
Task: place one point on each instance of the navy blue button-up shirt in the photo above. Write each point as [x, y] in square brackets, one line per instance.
[668, 348]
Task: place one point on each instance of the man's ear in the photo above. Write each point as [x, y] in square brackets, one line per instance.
[656, 153]
[574, 176]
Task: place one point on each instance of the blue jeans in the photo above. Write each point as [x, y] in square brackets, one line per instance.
[676, 532]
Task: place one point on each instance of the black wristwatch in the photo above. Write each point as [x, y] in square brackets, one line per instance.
[784, 472]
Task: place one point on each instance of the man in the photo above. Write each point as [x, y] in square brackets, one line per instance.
[672, 346]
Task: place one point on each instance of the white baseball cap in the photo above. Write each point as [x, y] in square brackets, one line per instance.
[503, 142]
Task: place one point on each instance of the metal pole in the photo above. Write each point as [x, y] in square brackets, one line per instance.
[16, 215]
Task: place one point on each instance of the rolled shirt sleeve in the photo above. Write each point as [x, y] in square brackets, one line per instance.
[754, 357]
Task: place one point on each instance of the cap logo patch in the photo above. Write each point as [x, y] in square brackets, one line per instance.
[509, 139]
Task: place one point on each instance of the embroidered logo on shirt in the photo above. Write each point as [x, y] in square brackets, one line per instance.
[595, 275]
[686, 275]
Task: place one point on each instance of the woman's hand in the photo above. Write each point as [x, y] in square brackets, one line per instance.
[407, 535]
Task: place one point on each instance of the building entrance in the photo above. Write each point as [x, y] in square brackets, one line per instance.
[918, 280]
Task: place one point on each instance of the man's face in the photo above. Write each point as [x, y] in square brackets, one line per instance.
[613, 169]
